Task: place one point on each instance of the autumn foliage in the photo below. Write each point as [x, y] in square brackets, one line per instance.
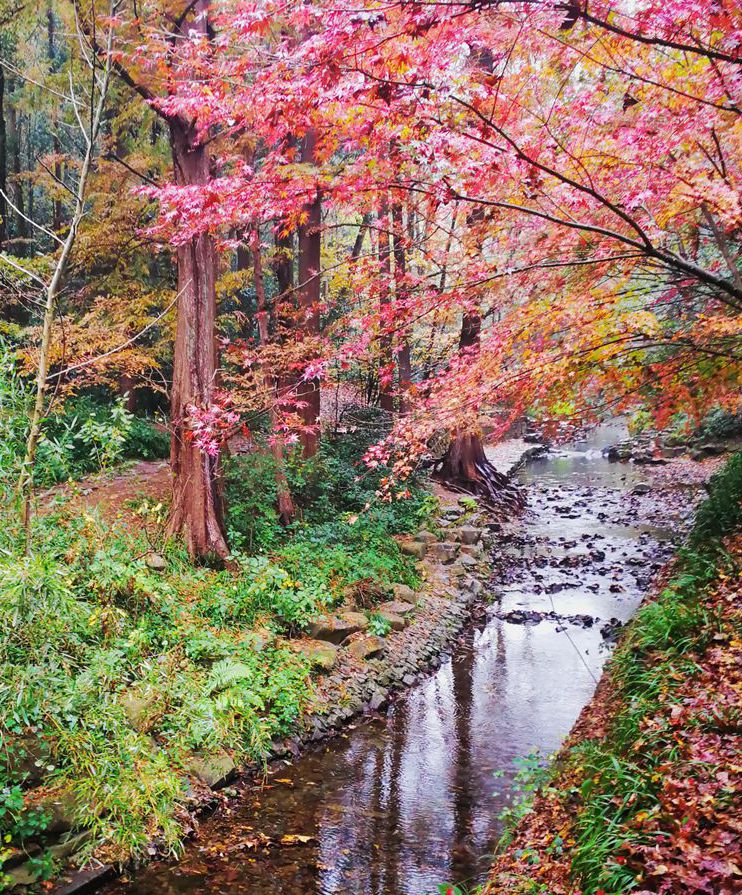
[565, 177]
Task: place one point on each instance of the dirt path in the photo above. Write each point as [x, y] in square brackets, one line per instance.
[113, 494]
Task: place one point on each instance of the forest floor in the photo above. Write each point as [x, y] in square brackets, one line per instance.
[644, 795]
[113, 493]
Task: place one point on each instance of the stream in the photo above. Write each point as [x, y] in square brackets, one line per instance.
[399, 804]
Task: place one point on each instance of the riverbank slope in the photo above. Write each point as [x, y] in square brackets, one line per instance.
[644, 794]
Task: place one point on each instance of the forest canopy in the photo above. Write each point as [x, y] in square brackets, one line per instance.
[245, 214]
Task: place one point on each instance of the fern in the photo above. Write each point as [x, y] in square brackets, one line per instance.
[226, 674]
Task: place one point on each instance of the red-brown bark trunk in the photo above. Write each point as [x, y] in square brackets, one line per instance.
[285, 503]
[310, 259]
[386, 359]
[127, 390]
[465, 466]
[197, 512]
[404, 356]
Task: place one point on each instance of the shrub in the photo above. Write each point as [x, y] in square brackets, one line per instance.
[38, 610]
[719, 423]
[721, 512]
[146, 441]
[264, 588]
[333, 484]
[83, 622]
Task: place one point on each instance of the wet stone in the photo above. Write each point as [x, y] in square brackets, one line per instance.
[444, 552]
[357, 619]
[403, 594]
[457, 570]
[321, 654]
[26, 757]
[397, 607]
[474, 586]
[367, 648]
[24, 875]
[214, 770]
[468, 535]
[413, 548]
[62, 810]
[135, 708]
[522, 617]
[378, 701]
[259, 639]
[156, 562]
[611, 629]
[69, 845]
[335, 628]
[427, 537]
[395, 622]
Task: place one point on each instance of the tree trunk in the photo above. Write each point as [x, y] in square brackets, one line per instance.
[127, 391]
[471, 327]
[284, 311]
[386, 359]
[197, 512]
[284, 264]
[286, 511]
[56, 146]
[465, 466]
[21, 225]
[404, 359]
[3, 163]
[310, 259]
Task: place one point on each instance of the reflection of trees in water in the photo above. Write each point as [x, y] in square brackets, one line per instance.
[361, 842]
[463, 857]
[382, 842]
[386, 862]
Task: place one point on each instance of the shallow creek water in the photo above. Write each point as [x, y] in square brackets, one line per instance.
[399, 804]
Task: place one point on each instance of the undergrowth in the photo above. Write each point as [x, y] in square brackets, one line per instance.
[114, 673]
[80, 436]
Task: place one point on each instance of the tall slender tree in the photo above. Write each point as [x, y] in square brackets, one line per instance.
[197, 510]
[310, 261]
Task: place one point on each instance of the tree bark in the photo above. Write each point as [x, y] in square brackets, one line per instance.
[21, 225]
[3, 163]
[386, 389]
[284, 264]
[404, 358]
[285, 503]
[465, 466]
[310, 259]
[56, 146]
[127, 391]
[197, 512]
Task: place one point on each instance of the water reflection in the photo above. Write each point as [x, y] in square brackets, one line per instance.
[401, 804]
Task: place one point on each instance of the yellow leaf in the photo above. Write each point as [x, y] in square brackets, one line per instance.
[296, 839]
